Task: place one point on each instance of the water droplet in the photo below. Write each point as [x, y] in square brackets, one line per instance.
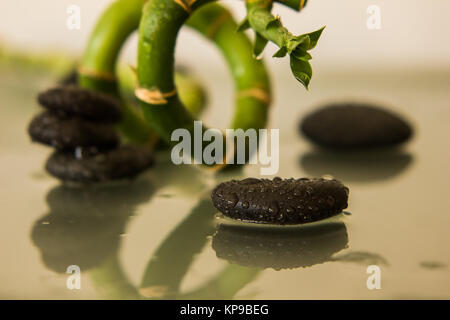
[274, 208]
[289, 210]
[232, 200]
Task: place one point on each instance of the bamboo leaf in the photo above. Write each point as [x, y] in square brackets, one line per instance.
[274, 23]
[301, 70]
[313, 39]
[260, 44]
[280, 53]
[244, 25]
[302, 54]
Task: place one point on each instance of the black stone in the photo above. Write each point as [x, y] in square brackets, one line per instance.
[68, 101]
[355, 126]
[278, 201]
[122, 163]
[68, 134]
[279, 248]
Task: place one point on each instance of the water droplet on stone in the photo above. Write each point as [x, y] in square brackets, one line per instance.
[274, 208]
[232, 200]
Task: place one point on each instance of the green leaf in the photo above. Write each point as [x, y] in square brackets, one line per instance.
[301, 54]
[274, 23]
[260, 44]
[280, 53]
[301, 70]
[244, 25]
[313, 38]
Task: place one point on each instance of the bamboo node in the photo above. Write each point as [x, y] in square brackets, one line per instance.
[185, 4]
[257, 93]
[96, 74]
[153, 96]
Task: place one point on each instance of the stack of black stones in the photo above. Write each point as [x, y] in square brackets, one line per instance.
[79, 124]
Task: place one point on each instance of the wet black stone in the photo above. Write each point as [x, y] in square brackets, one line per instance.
[355, 126]
[269, 247]
[122, 163]
[67, 101]
[67, 134]
[280, 201]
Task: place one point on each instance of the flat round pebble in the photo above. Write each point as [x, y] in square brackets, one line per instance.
[70, 133]
[355, 126]
[68, 101]
[269, 247]
[280, 201]
[124, 162]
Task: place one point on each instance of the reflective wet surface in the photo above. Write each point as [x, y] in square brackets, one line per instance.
[160, 237]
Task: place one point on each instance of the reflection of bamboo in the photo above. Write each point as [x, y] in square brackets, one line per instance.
[170, 263]
[225, 285]
[111, 282]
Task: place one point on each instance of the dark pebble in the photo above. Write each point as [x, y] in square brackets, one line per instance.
[121, 163]
[68, 101]
[355, 126]
[276, 248]
[278, 201]
[67, 134]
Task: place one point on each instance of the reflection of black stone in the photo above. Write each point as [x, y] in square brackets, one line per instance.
[356, 166]
[280, 201]
[279, 248]
[84, 225]
[355, 126]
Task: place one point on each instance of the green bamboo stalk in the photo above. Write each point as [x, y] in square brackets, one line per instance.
[224, 285]
[249, 75]
[98, 66]
[158, 31]
[171, 261]
[99, 63]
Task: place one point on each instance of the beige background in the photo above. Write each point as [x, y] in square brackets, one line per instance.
[413, 33]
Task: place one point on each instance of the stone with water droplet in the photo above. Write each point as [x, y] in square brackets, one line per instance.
[295, 200]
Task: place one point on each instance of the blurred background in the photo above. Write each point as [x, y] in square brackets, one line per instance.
[413, 32]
